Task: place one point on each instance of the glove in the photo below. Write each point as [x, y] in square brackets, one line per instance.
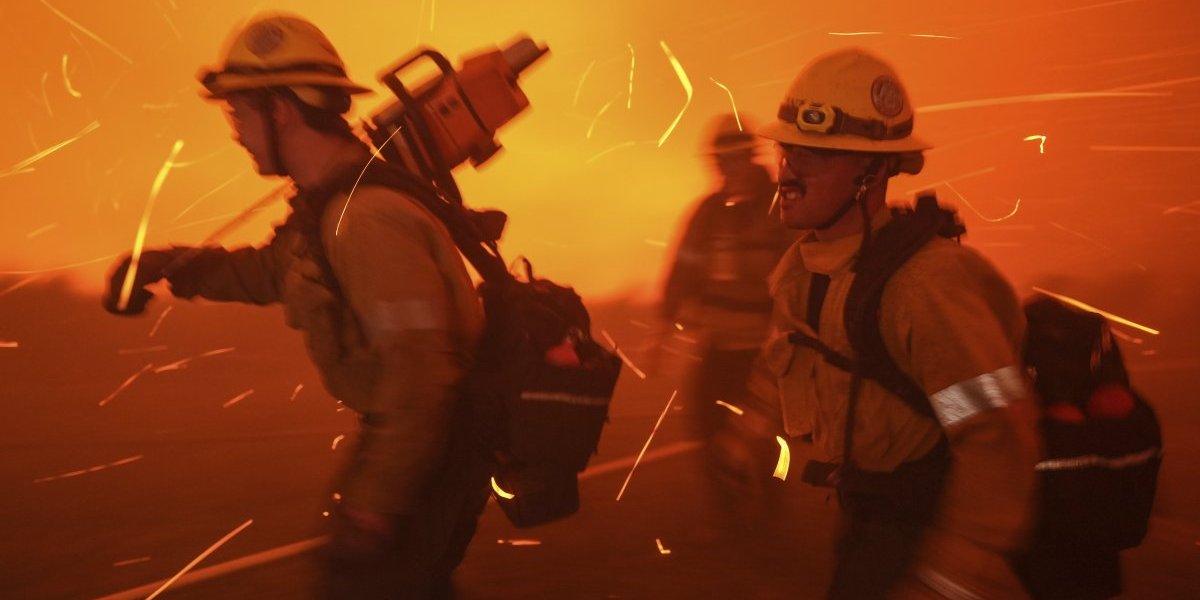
[150, 270]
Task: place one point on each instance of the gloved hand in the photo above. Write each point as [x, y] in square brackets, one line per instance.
[150, 270]
[743, 454]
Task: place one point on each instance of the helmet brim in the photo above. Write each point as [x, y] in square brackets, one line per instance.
[223, 84]
[785, 133]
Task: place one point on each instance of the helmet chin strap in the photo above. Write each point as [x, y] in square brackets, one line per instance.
[271, 135]
[859, 199]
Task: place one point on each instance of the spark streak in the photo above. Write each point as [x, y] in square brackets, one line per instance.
[582, 78]
[1171, 210]
[951, 179]
[855, 33]
[374, 155]
[205, 196]
[736, 118]
[237, 398]
[23, 165]
[62, 268]
[646, 445]
[1145, 148]
[613, 149]
[202, 556]
[132, 561]
[45, 98]
[621, 354]
[126, 384]
[296, 392]
[140, 239]
[500, 491]
[4, 344]
[1041, 142]
[733, 409]
[661, 549]
[785, 459]
[1103, 313]
[123, 461]
[1011, 213]
[86, 32]
[1031, 98]
[67, 80]
[18, 285]
[40, 230]
[687, 87]
[600, 113]
[337, 440]
[158, 323]
[520, 542]
[934, 36]
[1094, 241]
[632, 61]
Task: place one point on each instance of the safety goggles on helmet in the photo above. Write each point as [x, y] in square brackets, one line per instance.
[821, 118]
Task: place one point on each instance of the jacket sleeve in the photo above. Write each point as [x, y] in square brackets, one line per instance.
[246, 274]
[384, 256]
[954, 325]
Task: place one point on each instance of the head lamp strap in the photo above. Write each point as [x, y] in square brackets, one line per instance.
[323, 68]
[814, 120]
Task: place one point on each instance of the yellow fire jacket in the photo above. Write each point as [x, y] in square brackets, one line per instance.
[953, 324]
[392, 343]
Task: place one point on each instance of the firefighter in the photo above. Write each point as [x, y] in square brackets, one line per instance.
[377, 289]
[716, 288]
[931, 505]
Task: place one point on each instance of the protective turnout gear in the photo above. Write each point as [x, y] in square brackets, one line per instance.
[849, 100]
[280, 50]
[149, 271]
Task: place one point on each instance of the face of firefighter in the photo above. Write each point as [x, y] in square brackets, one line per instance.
[248, 122]
[736, 169]
[814, 183]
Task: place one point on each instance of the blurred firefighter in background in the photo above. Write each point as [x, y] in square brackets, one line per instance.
[932, 503]
[716, 288]
[379, 291]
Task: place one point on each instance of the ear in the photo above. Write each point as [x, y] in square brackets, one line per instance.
[284, 111]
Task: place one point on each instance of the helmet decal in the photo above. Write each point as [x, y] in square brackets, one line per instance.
[887, 96]
[264, 38]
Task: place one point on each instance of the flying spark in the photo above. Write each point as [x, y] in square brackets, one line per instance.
[620, 146]
[4, 344]
[1010, 215]
[337, 440]
[1094, 241]
[86, 32]
[158, 323]
[951, 179]
[123, 461]
[1168, 211]
[20, 284]
[661, 549]
[646, 445]
[237, 398]
[1029, 98]
[855, 33]
[67, 80]
[374, 155]
[1145, 148]
[143, 350]
[197, 560]
[621, 354]
[500, 491]
[128, 382]
[736, 118]
[656, 243]
[45, 98]
[40, 231]
[520, 542]
[934, 36]
[582, 78]
[632, 61]
[132, 561]
[63, 268]
[140, 240]
[785, 459]
[1041, 142]
[296, 392]
[23, 166]
[1103, 313]
[600, 113]
[687, 87]
[733, 409]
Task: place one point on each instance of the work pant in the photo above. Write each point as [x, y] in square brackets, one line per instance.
[417, 560]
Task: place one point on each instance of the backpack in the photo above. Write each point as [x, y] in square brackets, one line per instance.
[1099, 476]
[539, 393]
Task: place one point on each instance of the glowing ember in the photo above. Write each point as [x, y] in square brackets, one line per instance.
[140, 240]
[197, 560]
[296, 392]
[785, 459]
[632, 61]
[687, 87]
[237, 398]
[520, 542]
[23, 166]
[1041, 142]
[646, 445]
[500, 492]
[733, 409]
[661, 549]
[1103, 313]
[86, 32]
[123, 461]
[67, 80]
[337, 440]
[128, 382]
[9, 344]
[736, 118]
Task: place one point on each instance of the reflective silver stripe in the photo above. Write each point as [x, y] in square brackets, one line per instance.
[944, 587]
[973, 396]
[1095, 460]
[565, 398]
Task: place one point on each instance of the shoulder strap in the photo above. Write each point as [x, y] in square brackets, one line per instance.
[895, 244]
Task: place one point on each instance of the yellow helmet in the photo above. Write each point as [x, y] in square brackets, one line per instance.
[848, 99]
[279, 50]
[729, 133]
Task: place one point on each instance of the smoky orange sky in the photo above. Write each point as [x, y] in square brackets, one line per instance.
[1109, 194]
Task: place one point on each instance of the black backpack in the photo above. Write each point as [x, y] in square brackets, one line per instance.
[1099, 476]
[539, 417]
